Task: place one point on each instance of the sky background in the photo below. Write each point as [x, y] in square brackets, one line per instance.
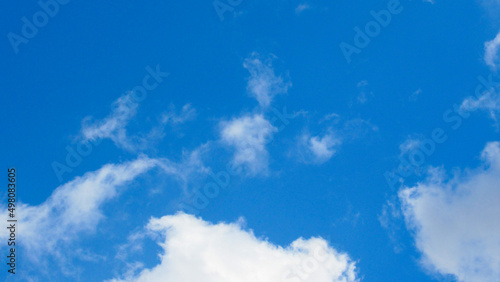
[321, 174]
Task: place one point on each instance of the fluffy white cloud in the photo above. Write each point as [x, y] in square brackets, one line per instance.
[491, 52]
[456, 223]
[248, 135]
[195, 250]
[263, 84]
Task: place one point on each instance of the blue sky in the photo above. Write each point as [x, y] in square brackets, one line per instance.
[236, 140]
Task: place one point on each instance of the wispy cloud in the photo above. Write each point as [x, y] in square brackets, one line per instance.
[414, 96]
[363, 93]
[114, 125]
[72, 209]
[411, 144]
[187, 113]
[489, 101]
[263, 84]
[75, 208]
[319, 145]
[301, 8]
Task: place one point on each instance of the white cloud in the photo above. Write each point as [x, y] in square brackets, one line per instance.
[73, 207]
[187, 113]
[456, 222]
[301, 8]
[323, 147]
[248, 135]
[263, 84]
[318, 149]
[411, 144]
[491, 52]
[489, 101]
[113, 126]
[195, 250]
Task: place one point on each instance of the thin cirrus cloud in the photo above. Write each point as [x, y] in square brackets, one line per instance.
[491, 52]
[456, 222]
[114, 126]
[301, 8]
[489, 101]
[263, 84]
[196, 250]
[187, 113]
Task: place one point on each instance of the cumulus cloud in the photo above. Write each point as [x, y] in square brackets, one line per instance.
[248, 135]
[195, 250]
[491, 52]
[456, 222]
[263, 84]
